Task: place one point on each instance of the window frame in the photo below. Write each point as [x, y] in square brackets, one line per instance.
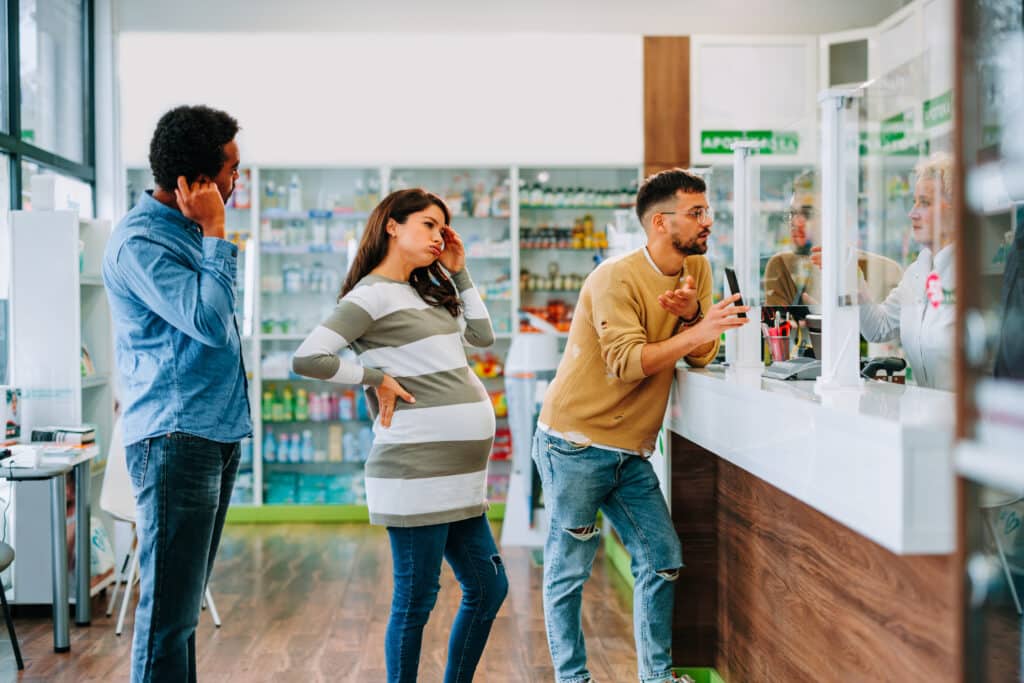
[10, 141]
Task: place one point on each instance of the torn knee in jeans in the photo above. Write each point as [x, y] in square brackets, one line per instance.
[668, 574]
[583, 533]
[496, 561]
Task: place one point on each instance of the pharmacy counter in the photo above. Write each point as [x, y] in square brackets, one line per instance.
[875, 459]
[817, 530]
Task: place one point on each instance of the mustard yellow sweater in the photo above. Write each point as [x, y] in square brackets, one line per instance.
[600, 393]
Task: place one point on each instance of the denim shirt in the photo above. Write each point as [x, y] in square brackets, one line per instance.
[172, 300]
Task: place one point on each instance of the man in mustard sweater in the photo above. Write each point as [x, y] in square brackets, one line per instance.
[638, 314]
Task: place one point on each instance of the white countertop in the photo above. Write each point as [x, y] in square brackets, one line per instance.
[877, 459]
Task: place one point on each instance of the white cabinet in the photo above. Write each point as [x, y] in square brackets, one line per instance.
[62, 353]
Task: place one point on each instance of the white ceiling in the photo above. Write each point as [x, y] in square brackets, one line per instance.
[637, 17]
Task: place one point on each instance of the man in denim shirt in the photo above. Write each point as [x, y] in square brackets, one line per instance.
[170, 277]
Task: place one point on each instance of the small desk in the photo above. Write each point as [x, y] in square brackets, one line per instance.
[54, 472]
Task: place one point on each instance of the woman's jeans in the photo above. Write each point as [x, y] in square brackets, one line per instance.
[416, 553]
[579, 480]
[182, 486]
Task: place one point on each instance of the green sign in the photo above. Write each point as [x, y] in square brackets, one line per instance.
[896, 135]
[938, 110]
[783, 142]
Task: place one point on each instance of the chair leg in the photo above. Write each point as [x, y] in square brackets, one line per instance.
[10, 628]
[128, 559]
[127, 594]
[213, 608]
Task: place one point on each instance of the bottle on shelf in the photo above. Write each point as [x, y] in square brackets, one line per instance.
[269, 195]
[283, 448]
[295, 194]
[241, 198]
[307, 446]
[269, 447]
[301, 406]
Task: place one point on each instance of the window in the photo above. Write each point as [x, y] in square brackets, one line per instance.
[46, 95]
[69, 193]
[53, 76]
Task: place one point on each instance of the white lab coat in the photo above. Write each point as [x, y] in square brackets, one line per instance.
[925, 331]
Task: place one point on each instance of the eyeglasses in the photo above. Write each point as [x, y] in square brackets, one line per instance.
[806, 212]
[701, 215]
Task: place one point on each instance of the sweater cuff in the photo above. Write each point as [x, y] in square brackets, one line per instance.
[462, 280]
[372, 377]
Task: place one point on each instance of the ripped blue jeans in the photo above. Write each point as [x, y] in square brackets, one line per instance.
[416, 554]
[578, 481]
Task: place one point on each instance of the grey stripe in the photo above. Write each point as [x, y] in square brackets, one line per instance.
[428, 518]
[349, 320]
[462, 280]
[407, 326]
[321, 366]
[442, 389]
[427, 460]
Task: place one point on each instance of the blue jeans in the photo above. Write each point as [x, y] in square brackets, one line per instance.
[416, 554]
[182, 487]
[578, 481]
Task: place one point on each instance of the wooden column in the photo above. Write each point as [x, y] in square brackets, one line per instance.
[666, 103]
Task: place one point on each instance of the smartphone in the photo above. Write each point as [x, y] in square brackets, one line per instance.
[734, 287]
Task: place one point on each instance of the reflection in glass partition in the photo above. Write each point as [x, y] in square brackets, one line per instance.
[791, 281]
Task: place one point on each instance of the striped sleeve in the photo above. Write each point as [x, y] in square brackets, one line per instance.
[478, 330]
[317, 356]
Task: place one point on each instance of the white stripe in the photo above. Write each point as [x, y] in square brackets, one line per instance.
[423, 496]
[436, 353]
[323, 341]
[383, 298]
[474, 305]
[458, 422]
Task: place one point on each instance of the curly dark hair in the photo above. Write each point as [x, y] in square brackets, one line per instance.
[661, 186]
[430, 282]
[189, 141]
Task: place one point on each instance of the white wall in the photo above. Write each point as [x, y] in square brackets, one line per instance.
[351, 99]
[638, 17]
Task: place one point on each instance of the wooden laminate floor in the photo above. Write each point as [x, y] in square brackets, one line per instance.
[309, 603]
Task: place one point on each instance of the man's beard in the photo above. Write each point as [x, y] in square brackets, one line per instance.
[693, 248]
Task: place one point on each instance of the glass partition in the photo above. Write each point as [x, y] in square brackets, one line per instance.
[906, 226]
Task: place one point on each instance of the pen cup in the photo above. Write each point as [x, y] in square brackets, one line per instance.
[779, 347]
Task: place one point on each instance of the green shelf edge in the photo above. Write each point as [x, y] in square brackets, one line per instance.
[317, 514]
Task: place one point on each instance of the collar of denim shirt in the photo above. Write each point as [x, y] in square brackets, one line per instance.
[158, 209]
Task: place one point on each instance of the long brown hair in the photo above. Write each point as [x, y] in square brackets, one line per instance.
[430, 282]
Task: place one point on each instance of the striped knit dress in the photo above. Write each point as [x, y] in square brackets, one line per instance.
[430, 465]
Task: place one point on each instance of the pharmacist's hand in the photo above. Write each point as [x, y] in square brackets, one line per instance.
[201, 202]
[453, 258]
[681, 302]
[720, 318]
[816, 256]
[388, 394]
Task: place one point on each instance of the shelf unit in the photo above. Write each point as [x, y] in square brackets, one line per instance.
[63, 360]
[297, 243]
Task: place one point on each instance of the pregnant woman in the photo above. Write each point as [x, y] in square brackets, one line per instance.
[406, 318]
